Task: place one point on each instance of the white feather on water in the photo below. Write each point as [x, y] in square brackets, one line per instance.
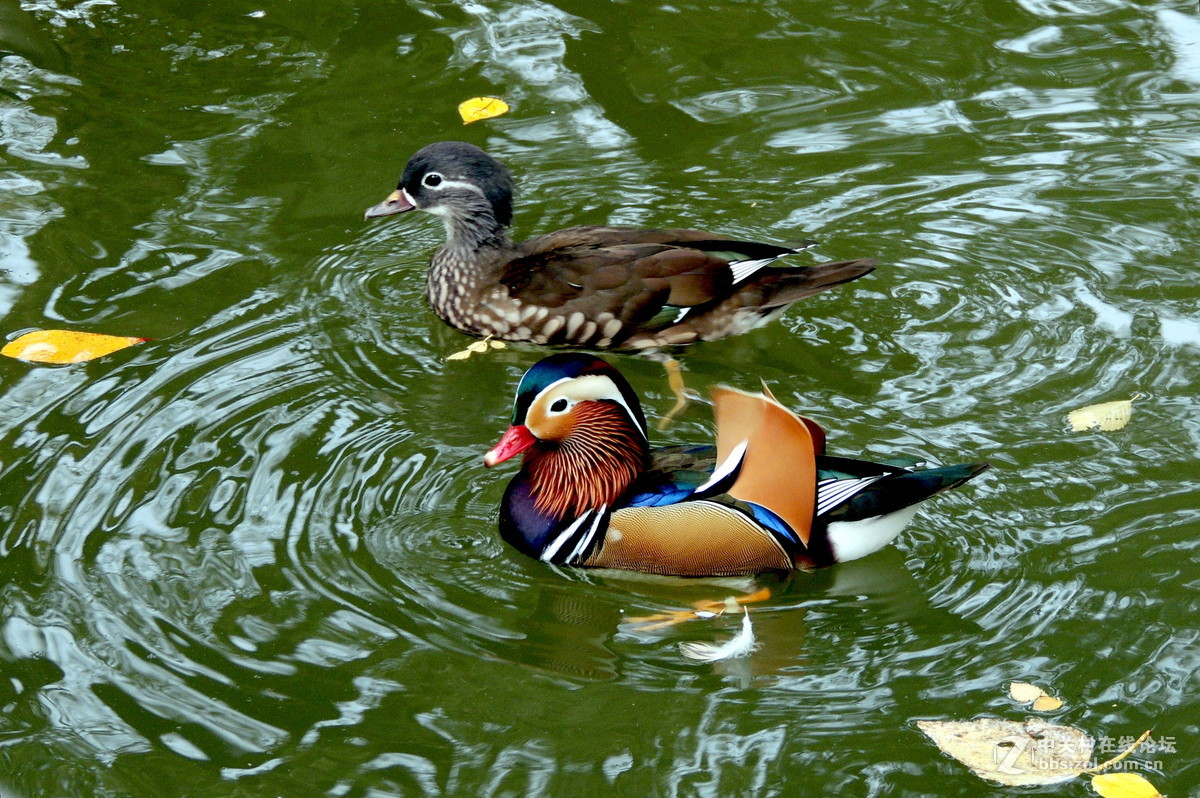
[740, 645]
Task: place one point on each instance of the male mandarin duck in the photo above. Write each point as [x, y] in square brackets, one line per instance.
[591, 492]
[593, 287]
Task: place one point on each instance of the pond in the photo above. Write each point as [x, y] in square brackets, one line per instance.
[257, 555]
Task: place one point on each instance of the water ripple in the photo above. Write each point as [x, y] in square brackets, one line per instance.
[259, 551]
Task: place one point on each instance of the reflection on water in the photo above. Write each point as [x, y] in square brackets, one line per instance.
[257, 555]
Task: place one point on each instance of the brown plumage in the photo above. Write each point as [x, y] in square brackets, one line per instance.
[596, 287]
[688, 539]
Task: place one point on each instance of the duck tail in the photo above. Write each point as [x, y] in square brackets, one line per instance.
[900, 491]
[785, 286]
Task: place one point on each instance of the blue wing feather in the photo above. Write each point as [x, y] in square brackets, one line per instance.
[662, 496]
[773, 522]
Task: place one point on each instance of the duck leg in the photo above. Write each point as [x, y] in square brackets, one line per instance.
[701, 610]
[675, 381]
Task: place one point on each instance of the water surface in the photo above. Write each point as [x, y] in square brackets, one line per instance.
[257, 557]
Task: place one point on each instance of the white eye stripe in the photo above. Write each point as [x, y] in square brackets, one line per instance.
[554, 385]
[447, 183]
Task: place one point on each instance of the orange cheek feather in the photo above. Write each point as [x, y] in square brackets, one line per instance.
[547, 428]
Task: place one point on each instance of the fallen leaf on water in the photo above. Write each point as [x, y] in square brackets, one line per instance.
[1047, 703]
[476, 347]
[477, 108]
[65, 346]
[1013, 753]
[740, 645]
[1124, 785]
[1106, 416]
[1025, 693]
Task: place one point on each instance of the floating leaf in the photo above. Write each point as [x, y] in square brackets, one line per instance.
[1123, 785]
[476, 347]
[1047, 703]
[477, 108]
[740, 645]
[1025, 693]
[65, 346]
[1013, 753]
[1106, 416]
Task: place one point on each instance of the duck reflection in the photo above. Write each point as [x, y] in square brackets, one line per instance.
[581, 625]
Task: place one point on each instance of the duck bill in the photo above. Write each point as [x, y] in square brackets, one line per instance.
[397, 202]
[514, 441]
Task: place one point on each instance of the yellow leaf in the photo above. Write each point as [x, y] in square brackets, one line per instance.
[65, 346]
[1013, 753]
[1023, 692]
[1123, 785]
[477, 108]
[479, 347]
[1106, 416]
[1046, 703]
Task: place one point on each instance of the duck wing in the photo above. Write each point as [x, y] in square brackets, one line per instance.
[605, 286]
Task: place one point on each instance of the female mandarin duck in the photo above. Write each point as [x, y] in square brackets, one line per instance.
[594, 287]
[592, 493]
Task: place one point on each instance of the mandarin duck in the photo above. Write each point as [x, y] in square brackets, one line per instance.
[592, 493]
[589, 286]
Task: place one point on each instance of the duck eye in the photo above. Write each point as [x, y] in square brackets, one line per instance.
[558, 406]
[432, 180]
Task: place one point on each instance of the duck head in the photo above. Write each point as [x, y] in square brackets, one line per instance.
[582, 431]
[452, 179]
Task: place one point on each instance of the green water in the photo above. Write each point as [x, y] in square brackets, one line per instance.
[256, 556]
